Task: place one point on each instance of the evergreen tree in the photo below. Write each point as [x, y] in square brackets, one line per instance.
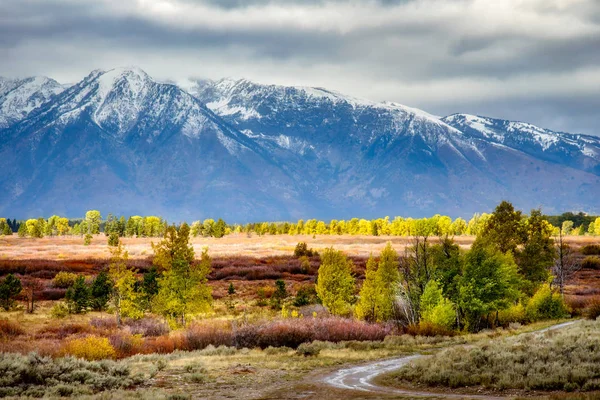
[150, 286]
[231, 289]
[100, 291]
[78, 296]
[335, 283]
[10, 287]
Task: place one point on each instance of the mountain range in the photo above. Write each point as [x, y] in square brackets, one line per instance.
[122, 142]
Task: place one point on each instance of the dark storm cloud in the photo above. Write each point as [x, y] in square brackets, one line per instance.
[542, 57]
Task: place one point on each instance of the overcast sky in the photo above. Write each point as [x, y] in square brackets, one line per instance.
[531, 60]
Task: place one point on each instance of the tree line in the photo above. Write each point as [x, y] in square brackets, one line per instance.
[153, 226]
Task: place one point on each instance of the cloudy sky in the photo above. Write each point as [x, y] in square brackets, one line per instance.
[531, 60]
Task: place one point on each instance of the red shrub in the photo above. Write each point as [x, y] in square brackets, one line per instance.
[200, 335]
[62, 331]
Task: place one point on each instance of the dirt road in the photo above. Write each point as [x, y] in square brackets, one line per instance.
[361, 377]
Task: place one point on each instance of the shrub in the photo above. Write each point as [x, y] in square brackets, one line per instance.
[64, 280]
[36, 376]
[591, 262]
[293, 332]
[306, 295]
[59, 310]
[545, 304]
[62, 331]
[200, 335]
[125, 344]
[147, 327]
[511, 315]
[90, 348]
[302, 250]
[429, 329]
[592, 311]
[10, 328]
[591, 250]
[308, 350]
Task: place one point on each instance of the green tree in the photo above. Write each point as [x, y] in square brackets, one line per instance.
[335, 283]
[538, 253]
[219, 228]
[22, 231]
[490, 282]
[435, 308]
[231, 289]
[78, 296]
[100, 291]
[388, 279]
[93, 219]
[10, 287]
[279, 295]
[124, 299]
[504, 230]
[150, 286]
[113, 239]
[182, 289]
[366, 307]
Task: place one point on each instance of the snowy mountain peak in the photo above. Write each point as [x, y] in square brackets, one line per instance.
[18, 97]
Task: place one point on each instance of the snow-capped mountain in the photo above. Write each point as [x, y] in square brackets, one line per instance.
[122, 142]
[577, 151]
[18, 97]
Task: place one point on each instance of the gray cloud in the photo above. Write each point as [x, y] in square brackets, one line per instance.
[531, 60]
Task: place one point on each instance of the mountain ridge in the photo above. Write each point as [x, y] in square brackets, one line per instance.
[245, 151]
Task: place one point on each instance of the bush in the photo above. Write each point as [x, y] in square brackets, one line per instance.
[125, 344]
[36, 376]
[59, 310]
[64, 280]
[546, 304]
[591, 263]
[308, 350]
[200, 335]
[592, 311]
[511, 315]
[62, 330]
[147, 327]
[591, 250]
[302, 250]
[10, 328]
[90, 348]
[306, 295]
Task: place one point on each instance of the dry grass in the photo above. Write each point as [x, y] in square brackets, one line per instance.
[567, 359]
